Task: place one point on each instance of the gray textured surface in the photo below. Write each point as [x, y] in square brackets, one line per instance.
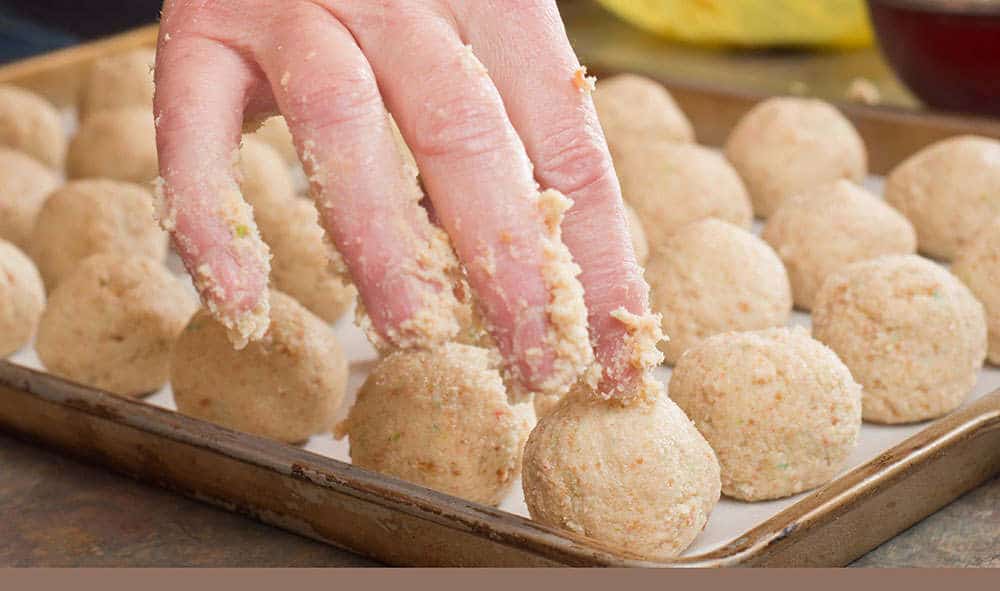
[57, 512]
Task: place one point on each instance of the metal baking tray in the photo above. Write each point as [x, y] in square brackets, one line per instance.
[401, 523]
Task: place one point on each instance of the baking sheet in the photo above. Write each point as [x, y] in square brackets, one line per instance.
[730, 519]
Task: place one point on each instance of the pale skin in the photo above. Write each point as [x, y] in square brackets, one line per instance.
[483, 144]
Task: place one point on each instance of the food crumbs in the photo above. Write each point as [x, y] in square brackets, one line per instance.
[582, 81]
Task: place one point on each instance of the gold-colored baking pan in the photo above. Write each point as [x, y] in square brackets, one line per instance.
[405, 524]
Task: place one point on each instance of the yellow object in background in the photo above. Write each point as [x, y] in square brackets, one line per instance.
[818, 23]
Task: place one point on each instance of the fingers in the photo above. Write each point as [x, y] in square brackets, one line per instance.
[480, 182]
[525, 48]
[201, 88]
[367, 195]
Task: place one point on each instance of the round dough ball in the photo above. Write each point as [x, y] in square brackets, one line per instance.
[638, 235]
[783, 417]
[786, 145]
[120, 80]
[286, 386]
[112, 322]
[301, 260]
[950, 191]
[266, 182]
[22, 298]
[978, 265]
[116, 144]
[441, 419]
[713, 277]
[635, 110]
[24, 185]
[911, 333]
[89, 216]
[274, 132]
[32, 125]
[671, 185]
[638, 477]
[824, 229]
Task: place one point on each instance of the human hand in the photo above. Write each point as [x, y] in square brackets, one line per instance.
[476, 125]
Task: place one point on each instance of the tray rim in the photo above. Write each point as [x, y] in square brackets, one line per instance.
[981, 417]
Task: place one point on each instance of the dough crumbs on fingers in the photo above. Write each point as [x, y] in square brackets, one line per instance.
[639, 352]
[583, 82]
[567, 335]
[242, 326]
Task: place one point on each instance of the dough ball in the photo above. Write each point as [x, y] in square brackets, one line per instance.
[978, 265]
[32, 125]
[713, 277]
[286, 386]
[441, 419]
[635, 110]
[671, 185]
[637, 477]
[266, 182]
[274, 132]
[911, 333]
[638, 235]
[301, 260]
[120, 80]
[950, 191]
[112, 322]
[116, 144]
[22, 298]
[24, 185]
[785, 146]
[824, 229]
[89, 216]
[783, 415]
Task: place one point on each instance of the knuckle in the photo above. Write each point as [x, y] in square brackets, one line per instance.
[571, 161]
[340, 98]
[461, 127]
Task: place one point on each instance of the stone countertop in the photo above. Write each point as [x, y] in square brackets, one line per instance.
[58, 512]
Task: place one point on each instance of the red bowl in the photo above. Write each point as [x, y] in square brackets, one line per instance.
[946, 51]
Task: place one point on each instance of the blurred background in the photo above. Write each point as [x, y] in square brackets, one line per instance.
[947, 52]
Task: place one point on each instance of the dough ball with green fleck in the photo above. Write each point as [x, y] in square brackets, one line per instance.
[829, 227]
[24, 185]
[89, 216]
[440, 418]
[781, 411]
[671, 185]
[786, 145]
[112, 323]
[122, 79]
[286, 386]
[638, 477]
[712, 277]
[911, 333]
[22, 298]
[32, 125]
[115, 144]
[950, 190]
